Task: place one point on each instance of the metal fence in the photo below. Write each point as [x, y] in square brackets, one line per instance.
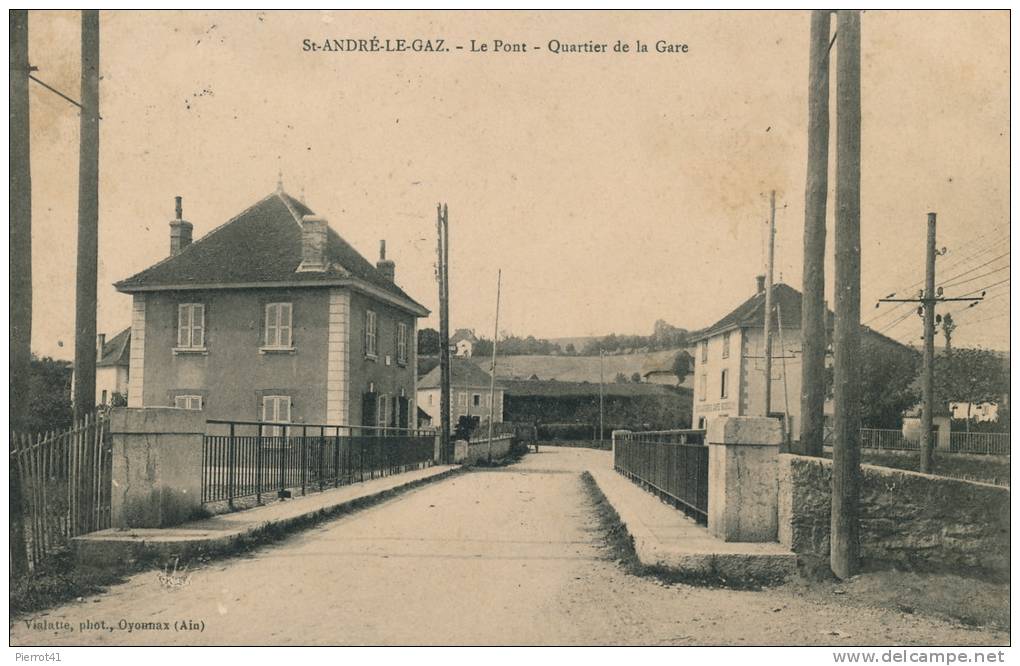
[249, 459]
[988, 443]
[672, 464]
[65, 484]
[888, 439]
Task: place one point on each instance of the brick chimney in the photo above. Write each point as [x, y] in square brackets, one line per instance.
[180, 230]
[386, 266]
[313, 243]
[100, 343]
[760, 283]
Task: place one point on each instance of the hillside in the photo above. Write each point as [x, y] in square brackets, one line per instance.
[571, 368]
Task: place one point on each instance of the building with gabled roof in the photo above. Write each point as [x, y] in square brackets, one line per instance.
[273, 316]
[469, 392]
[729, 359]
[113, 365]
[463, 341]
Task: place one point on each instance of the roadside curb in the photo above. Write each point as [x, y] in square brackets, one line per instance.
[729, 563]
[135, 546]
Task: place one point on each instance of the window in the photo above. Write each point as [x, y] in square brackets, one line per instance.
[279, 324]
[275, 409]
[430, 399]
[103, 401]
[188, 401]
[702, 423]
[191, 326]
[382, 412]
[476, 400]
[703, 387]
[371, 334]
[462, 399]
[704, 351]
[724, 384]
[402, 343]
[726, 345]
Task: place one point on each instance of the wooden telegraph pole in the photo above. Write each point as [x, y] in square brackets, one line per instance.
[492, 377]
[602, 399]
[844, 547]
[813, 329]
[88, 220]
[768, 304]
[20, 183]
[442, 231]
[928, 375]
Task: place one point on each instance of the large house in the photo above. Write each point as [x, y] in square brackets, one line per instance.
[469, 392]
[729, 360]
[272, 316]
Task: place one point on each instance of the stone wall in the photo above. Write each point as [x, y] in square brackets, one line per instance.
[477, 451]
[907, 519]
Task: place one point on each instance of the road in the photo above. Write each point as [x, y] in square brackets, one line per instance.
[509, 556]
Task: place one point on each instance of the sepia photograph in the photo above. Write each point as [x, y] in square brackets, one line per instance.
[493, 328]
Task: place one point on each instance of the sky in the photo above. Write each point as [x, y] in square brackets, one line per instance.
[612, 189]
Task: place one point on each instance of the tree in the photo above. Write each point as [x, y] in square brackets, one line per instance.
[888, 375]
[683, 363]
[620, 378]
[636, 378]
[972, 376]
[49, 391]
[428, 342]
[570, 349]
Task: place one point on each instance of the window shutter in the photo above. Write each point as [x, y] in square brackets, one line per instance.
[267, 409]
[285, 401]
[272, 324]
[286, 324]
[198, 325]
[368, 406]
[183, 326]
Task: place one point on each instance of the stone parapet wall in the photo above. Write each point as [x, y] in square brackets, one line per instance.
[907, 519]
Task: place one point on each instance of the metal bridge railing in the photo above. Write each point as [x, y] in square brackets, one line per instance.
[672, 464]
[249, 459]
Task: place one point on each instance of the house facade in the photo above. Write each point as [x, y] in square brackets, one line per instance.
[729, 361]
[113, 367]
[469, 393]
[463, 342]
[273, 317]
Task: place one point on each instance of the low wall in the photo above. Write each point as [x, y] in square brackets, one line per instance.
[477, 451]
[907, 519]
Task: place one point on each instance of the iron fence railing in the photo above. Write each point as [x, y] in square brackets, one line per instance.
[672, 464]
[988, 443]
[249, 459]
[890, 439]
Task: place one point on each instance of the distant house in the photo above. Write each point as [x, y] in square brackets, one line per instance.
[113, 367]
[469, 392]
[658, 369]
[463, 342]
[729, 360]
[273, 316]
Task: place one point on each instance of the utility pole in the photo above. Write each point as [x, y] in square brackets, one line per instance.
[928, 377]
[602, 390]
[844, 529]
[768, 304]
[442, 229]
[492, 378]
[928, 299]
[20, 183]
[813, 315]
[88, 220]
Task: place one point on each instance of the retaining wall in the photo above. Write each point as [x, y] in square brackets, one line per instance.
[907, 519]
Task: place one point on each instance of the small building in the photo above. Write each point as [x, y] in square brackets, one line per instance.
[463, 342]
[469, 392]
[659, 368]
[113, 368]
[274, 317]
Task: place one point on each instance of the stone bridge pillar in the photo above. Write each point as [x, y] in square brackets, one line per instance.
[743, 491]
[157, 466]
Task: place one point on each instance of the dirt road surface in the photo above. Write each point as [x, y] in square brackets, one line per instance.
[513, 555]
